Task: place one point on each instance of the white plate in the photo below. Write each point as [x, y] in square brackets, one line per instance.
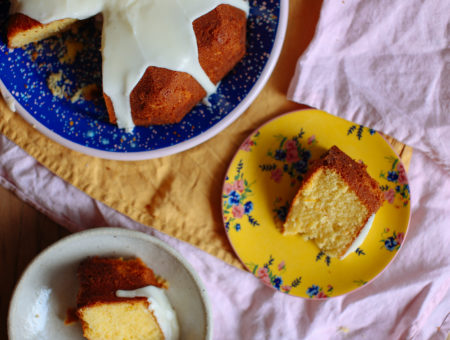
[49, 286]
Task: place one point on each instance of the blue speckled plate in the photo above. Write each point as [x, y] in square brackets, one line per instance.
[83, 125]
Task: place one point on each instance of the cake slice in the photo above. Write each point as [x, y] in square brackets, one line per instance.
[334, 203]
[23, 30]
[104, 315]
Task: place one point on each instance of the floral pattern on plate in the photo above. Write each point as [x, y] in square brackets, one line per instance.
[392, 240]
[318, 292]
[236, 202]
[270, 275]
[270, 165]
[290, 158]
[358, 131]
[397, 182]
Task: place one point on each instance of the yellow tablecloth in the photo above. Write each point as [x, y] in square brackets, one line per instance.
[180, 194]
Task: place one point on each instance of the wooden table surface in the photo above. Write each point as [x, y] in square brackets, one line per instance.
[24, 232]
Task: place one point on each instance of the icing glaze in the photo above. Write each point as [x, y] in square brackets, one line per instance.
[136, 34]
[360, 238]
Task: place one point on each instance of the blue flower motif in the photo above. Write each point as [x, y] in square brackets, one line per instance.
[285, 167]
[227, 226]
[306, 154]
[392, 176]
[300, 166]
[237, 227]
[312, 291]
[234, 198]
[280, 155]
[277, 282]
[248, 207]
[390, 243]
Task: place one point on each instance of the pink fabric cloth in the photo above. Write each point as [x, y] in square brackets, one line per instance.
[383, 64]
[408, 301]
[347, 72]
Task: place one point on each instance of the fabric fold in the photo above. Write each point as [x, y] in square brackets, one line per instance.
[385, 65]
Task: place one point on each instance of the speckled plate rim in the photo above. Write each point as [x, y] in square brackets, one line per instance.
[187, 144]
[115, 232]
[243, 262]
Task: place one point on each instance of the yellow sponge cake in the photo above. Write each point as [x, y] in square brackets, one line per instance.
[334, 203]
[112, 303]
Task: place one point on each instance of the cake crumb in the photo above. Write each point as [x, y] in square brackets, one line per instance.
[72, 49]
[71, 316]
[343, 329]
[76, 96]
[53, 84]
[91, 92]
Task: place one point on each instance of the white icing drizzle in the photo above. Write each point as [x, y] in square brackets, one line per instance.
[360, 238]
[136, 34]
[160, 306]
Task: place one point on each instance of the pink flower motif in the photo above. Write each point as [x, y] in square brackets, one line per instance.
[311, 139]
[291, 145]
[238, 211]
[402, 179]
[276, 175]
[263, 275]
[262, 272]
[286, 288]
[281, 265]
[266, 280]
[389, 195]
[292, 156]
[247, 145]
[227, 188]
[400, 237]
[321, 295]
[239, 185]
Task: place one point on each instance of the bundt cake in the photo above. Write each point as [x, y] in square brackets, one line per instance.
[334, 203]
[160, 58]
[123, 299]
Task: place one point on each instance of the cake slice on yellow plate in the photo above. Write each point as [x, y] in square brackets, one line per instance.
[335, 202]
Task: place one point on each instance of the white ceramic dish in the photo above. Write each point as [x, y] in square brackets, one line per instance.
[49, 285]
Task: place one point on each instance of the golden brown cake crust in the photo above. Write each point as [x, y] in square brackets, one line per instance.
[22, 29]
[100, 278]
[163, 96]
[19, 22]
[354, 174]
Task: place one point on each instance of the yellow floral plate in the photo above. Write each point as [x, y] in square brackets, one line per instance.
[265, 175]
